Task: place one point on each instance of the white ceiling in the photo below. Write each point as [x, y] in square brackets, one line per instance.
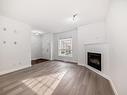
[54, 15]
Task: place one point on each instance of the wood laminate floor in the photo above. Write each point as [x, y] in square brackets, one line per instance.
[54, 78]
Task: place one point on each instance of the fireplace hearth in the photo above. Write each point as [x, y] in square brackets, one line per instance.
[94, 60]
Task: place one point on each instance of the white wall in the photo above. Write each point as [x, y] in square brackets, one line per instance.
[36, 46]
[88, 34]
[14, 56]
[47, 46]
[63, 35]
[117, 39]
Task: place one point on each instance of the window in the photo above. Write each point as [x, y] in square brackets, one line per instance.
[65, 47]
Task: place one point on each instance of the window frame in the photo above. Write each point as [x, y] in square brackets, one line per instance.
[59, 54]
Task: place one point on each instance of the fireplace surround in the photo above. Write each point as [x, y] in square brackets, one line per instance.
[94, 60]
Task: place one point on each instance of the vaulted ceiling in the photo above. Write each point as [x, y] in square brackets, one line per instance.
[54, 15]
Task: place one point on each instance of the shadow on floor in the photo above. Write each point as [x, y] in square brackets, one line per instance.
[37, 61]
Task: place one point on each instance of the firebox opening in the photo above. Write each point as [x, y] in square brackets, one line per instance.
[94, 60]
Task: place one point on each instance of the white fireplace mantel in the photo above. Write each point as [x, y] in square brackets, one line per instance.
[102, 48]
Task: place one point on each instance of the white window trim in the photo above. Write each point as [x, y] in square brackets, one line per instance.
[60, 55]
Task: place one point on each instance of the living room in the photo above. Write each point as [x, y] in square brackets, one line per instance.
[79, 39]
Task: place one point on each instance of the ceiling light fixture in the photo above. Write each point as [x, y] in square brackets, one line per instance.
[36, 32]
[75, 17]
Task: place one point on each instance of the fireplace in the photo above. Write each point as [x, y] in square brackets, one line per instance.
[94, 60]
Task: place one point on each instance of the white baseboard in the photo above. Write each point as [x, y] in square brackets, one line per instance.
[13, 70]
[66, 60]
[105, 76]
[113, 87]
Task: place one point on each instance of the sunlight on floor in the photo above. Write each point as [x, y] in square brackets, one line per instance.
[44, 85]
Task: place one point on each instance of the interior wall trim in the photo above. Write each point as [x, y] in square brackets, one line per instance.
[14, 69]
